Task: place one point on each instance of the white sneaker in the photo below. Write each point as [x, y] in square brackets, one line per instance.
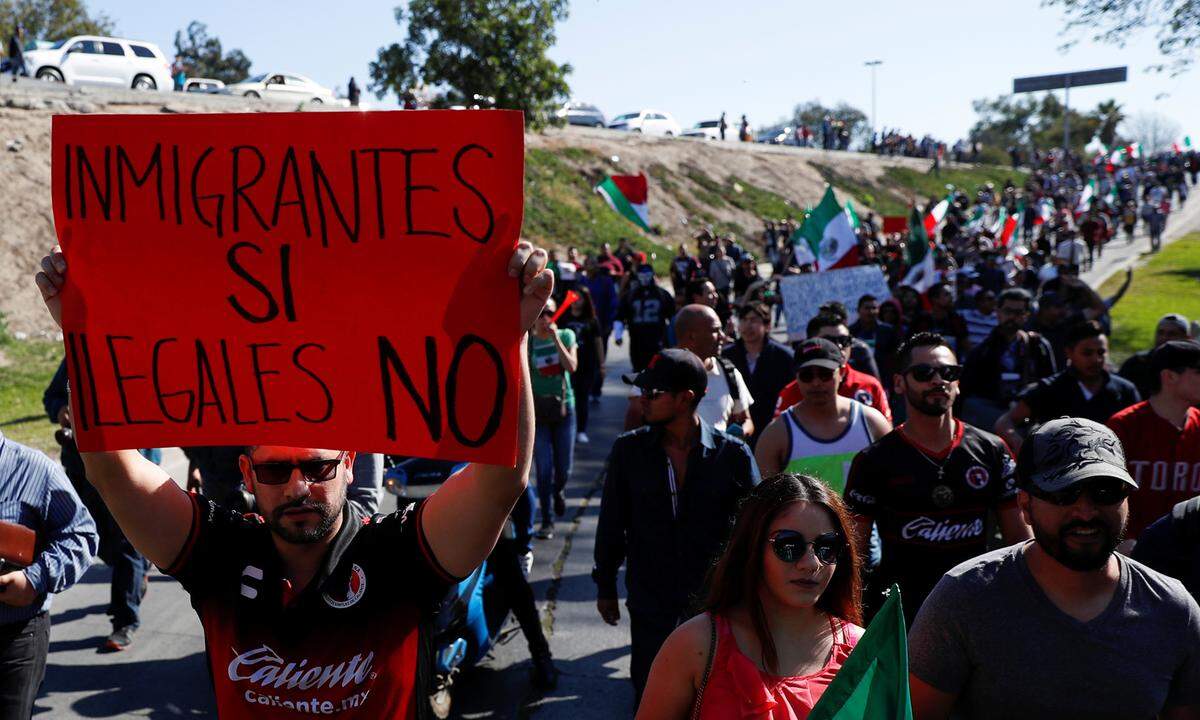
[582, 438]
[527, 564]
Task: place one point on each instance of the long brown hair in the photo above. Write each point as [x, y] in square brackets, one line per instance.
[736, 577]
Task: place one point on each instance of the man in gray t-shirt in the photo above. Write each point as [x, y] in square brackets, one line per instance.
[1061, 627]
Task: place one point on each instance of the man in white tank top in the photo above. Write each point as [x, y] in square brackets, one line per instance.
[822, 433]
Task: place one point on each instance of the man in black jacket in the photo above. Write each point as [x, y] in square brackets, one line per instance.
[1138, 369]
[881, 337]
[670, 495]
[1007, 361]
[765, 364]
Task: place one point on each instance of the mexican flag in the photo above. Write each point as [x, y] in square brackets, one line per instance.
[1044, 210]
[1085, 198]
[935, 215]
[1006, 227]
[920, 254]
[829, 234]
[627, 195]
[873, 683]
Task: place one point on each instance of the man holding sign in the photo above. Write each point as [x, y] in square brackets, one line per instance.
[309, 606]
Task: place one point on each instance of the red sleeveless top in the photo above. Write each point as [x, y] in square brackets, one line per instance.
[738, 689]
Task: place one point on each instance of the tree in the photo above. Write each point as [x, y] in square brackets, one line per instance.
[51, 19]
[1154, 131]
[1037, 122]
[202, 55]
[812, 113]
[467, 50]
[1116, 21]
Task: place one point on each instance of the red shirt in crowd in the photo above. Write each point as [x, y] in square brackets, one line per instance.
[859, 386]
[1163, 460]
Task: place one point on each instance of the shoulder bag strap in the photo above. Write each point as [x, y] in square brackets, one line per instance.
[712, 651]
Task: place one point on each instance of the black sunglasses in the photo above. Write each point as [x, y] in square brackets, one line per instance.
[924, 373]
[808, 374]
[1108, 491]
[790, 546]
[842, 341]
[279, 473]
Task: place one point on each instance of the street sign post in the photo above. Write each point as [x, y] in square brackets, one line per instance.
[1066, 81]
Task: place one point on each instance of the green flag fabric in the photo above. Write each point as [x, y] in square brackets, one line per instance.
[873, 683]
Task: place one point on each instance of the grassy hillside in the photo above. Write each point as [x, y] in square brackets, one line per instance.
[26, 367]
[1166, 284]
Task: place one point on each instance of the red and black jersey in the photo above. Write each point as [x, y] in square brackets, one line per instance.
[351, 644]
[931, 508]
[1164, 461]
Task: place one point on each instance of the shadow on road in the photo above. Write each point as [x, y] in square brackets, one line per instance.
[147, 688]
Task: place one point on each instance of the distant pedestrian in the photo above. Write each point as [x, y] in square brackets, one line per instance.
[744, 131]
[723, 125]
[16, 53]
[178, 73]
[353, 92]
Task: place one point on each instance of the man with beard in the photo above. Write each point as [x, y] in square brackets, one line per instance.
[670, 494]
[311, 606]
[1063, 626]
[1084, 389]
[931, 484]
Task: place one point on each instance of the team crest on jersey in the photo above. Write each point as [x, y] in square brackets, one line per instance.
[978, 477]
[354, 591]
[864, 397]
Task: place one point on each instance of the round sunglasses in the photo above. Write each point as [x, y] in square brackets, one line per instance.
[790, 546]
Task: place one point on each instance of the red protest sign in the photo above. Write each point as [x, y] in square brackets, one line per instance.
[333, 280]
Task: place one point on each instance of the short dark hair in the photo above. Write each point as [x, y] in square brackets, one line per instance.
[1081, 331]
[759, 309]
[694, 287]
[917, 340]
[866, 298]
[1015, 293]
[822, 320]
[835, 308]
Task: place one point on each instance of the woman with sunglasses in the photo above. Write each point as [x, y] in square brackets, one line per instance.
[782, 613]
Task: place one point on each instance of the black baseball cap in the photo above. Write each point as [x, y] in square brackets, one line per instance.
[1176, 355]
[672, 370]
[818, 352]
[1070, 450]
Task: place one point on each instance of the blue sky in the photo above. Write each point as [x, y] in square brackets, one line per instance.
[697, 58]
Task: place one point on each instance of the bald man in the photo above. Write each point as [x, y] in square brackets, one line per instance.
[726, 405]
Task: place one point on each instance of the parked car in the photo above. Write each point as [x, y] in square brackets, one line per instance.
[581, 113]
[650, 122]
[94, 60]
[284, 87]
[711, 129]
[203, 85]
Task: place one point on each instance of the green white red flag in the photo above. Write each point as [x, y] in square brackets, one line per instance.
[627, 194]
[1085, 198]
[935, 216]
[921, 273]
[828, 233]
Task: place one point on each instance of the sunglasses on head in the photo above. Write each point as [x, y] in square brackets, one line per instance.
[1108, 491]
[279, 473]
[924, 373]
[790, 546]
[809, 374]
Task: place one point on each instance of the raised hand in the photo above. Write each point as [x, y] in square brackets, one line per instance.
[50, 281]
[529, 264]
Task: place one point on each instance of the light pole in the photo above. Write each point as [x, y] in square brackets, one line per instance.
[873, 64]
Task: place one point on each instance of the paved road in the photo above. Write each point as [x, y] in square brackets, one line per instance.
[163, 674]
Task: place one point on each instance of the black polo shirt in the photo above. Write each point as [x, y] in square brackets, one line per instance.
[1061, 395]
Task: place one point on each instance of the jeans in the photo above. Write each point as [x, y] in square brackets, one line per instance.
[553, 454]
[23, 648]
[129, 570]
[647, 634]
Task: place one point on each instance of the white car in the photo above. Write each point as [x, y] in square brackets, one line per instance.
[711, 130]
[94, 60]
[203, 85]
[649, 122]
[285, 88]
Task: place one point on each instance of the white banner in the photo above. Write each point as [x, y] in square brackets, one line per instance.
[804, 294]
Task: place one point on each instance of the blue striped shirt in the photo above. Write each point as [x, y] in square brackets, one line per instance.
[35, 492]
